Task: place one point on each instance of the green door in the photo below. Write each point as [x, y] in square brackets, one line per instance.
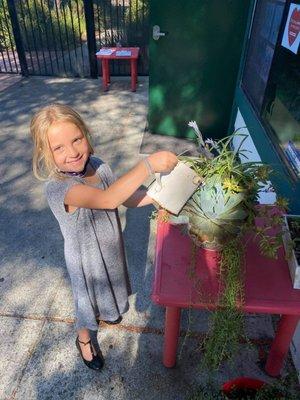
[193, 68]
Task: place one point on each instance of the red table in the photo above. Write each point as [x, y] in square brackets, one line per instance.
[268, 289]
[114, 56]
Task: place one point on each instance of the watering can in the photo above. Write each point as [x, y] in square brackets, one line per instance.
[172, 190]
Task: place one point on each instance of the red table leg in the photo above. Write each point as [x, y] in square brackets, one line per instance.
[281, 343]
[108, 71]
[172, 326]
[133, 70]
[104, 74]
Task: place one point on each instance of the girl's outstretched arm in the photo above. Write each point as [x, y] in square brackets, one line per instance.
[138, 199]
[85, 196]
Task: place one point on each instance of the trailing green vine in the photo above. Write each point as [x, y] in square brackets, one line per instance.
[227, 322]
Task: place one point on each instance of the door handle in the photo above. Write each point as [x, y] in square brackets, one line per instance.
[156, 33]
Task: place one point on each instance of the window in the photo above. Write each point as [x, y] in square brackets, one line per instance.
[271, 76]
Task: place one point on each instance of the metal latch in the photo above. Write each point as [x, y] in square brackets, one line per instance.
[156, 33]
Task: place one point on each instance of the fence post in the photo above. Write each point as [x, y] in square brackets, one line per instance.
[90, 31]
[17, 35]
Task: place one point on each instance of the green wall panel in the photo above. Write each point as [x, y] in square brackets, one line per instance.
[193, 69]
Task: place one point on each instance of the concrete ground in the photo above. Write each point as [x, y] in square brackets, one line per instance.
[38, 358]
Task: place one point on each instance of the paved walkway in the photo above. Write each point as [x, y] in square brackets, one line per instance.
[38, 358]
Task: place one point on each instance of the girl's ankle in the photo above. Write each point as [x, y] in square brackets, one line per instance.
[83, 335]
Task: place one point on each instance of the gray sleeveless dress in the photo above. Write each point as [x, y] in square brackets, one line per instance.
[94, 252]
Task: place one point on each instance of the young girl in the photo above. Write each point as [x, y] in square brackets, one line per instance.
[84, 195]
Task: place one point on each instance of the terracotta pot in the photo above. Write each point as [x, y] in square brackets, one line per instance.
[205, 243]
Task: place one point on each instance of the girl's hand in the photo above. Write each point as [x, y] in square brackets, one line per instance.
[163, 161]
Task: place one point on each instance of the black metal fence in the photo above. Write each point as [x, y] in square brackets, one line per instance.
[60, 37]
[9, 58]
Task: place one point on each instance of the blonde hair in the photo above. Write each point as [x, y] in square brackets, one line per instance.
[42, 161]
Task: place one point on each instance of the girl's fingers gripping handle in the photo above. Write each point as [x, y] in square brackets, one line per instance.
[163, 161]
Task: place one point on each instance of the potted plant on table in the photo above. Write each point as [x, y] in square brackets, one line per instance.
[219, 213]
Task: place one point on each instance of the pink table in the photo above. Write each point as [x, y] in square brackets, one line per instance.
[114, 56]
[268, 290]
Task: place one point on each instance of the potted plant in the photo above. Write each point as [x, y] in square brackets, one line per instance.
[218, 215]
[226, 204]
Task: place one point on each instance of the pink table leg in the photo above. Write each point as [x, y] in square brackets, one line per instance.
[133, 70]
[281, 343]
[172, 326]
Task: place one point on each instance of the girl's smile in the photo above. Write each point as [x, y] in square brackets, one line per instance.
[69, 146]
[76, 161]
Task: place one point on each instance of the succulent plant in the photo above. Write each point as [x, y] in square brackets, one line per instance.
[215, 215]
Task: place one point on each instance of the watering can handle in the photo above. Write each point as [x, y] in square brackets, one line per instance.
[158, 181]
[198, 180]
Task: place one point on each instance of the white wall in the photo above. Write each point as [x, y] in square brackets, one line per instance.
[251, 153]
[265, 198]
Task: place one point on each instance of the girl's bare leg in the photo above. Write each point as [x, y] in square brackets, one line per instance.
[84, 336]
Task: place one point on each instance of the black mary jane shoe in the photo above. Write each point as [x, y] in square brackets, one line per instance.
[116, 322]
[96, 362]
